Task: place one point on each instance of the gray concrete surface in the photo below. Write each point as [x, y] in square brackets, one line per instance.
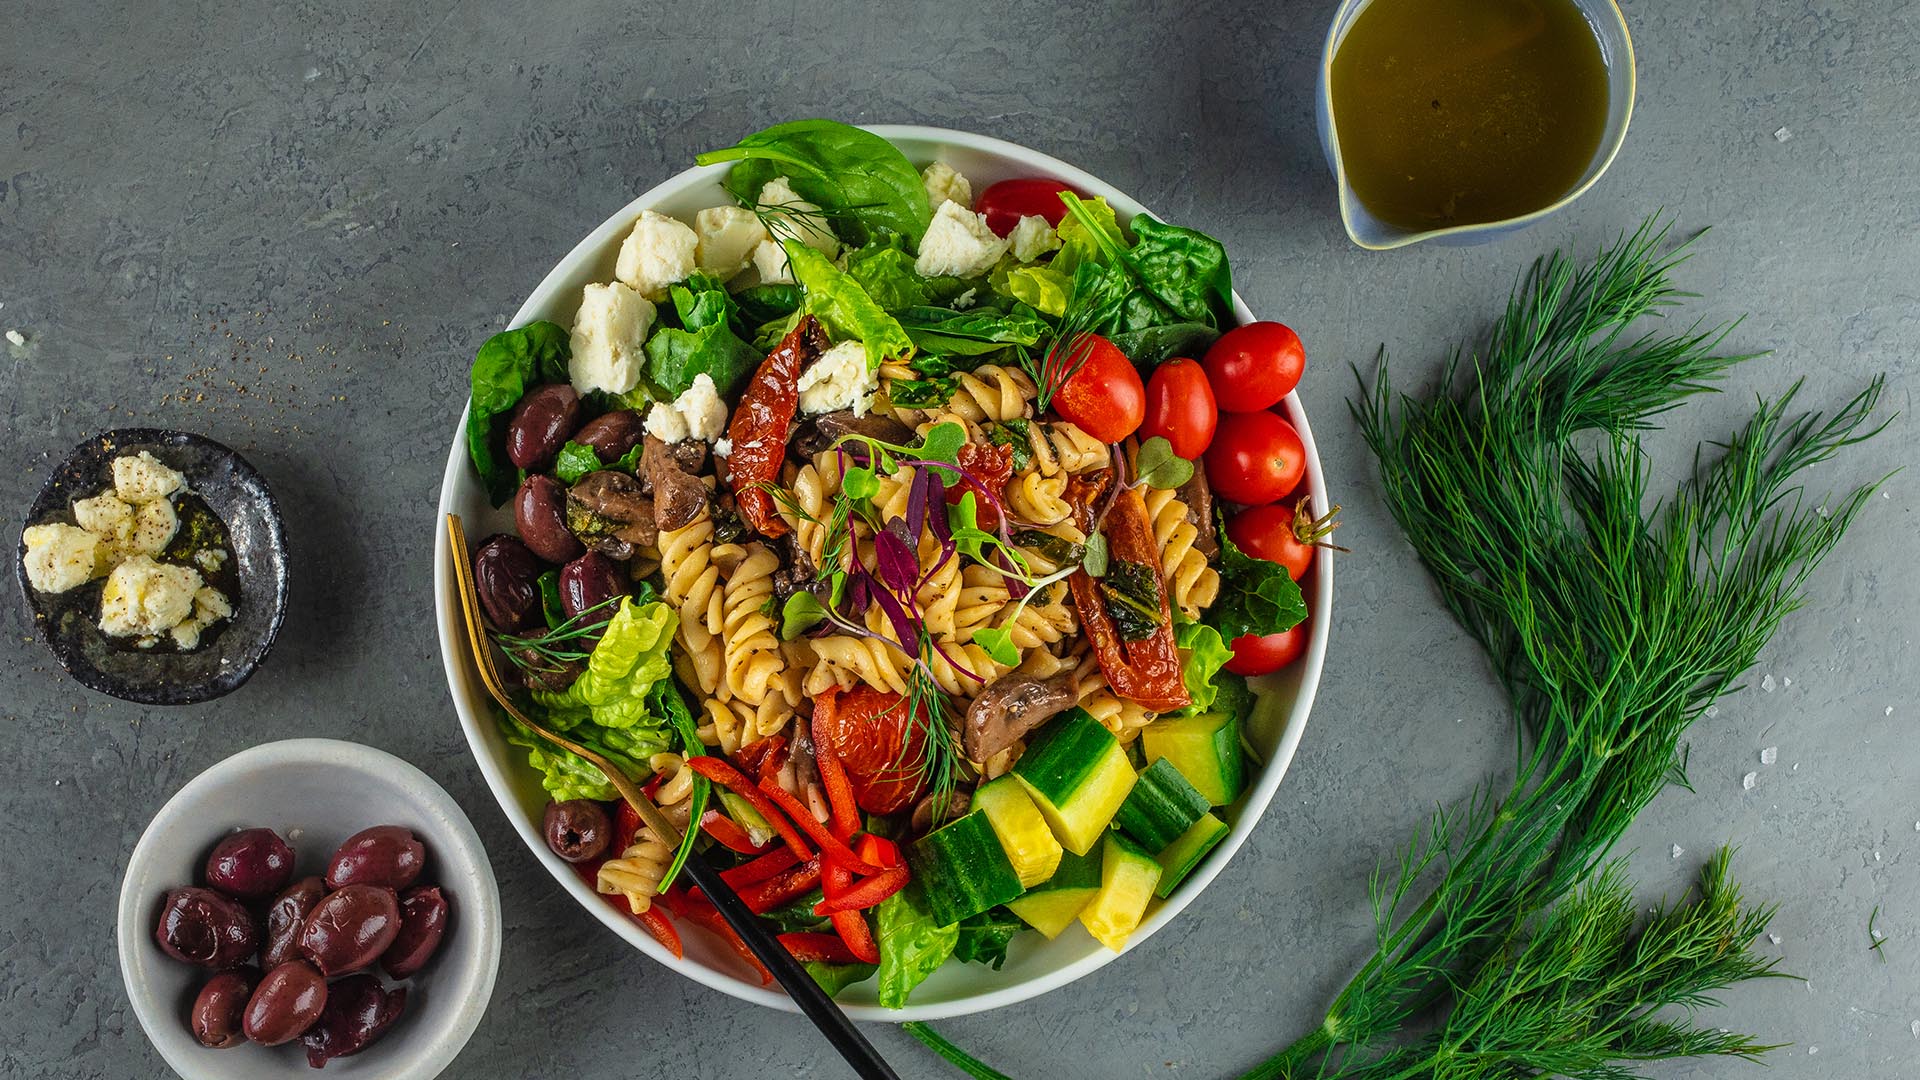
[288, 226]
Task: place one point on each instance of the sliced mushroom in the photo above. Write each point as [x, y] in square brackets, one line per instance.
[1010, 708]
[608, 512]
[1198, 499]
[678, 495]
[922, 821]
[821, 432]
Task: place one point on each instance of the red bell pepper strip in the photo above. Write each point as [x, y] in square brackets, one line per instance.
[834, 848]
[700, 912]
[730, 778]
[1146, 670]
[751, 755]
[987, 468]
[817, 948]
[845, 817]
[866, 894]
[728, 834]
[662, 929]
[760, 423]
[775, 758]
[782, 888]
[760, 869]
[852, 928]
[879, 851]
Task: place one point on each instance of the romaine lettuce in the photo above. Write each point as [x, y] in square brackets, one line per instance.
[837, 300]
[912, 945]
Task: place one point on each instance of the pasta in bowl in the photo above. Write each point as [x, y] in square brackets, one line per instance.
[841, 513]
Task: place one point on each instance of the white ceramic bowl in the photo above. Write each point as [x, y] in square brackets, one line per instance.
[315, 793]
[1034, 965]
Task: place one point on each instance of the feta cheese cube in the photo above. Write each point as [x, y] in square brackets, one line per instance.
[944, 184]
[790, 217]
[658, 252]
[59, 556]
[142, 478]
[958, 243]
[838, 380]
[728, 235]
[608, 334]
[143, 598]
[770, 261]
[697, 414]
[1032, 238]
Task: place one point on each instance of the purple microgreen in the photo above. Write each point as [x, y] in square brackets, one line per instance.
[904, 624]
[917, 502]
[894, 561]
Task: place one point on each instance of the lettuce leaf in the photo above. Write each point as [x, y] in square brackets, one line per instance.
[971, 333]
[703, 344]
[1042, 288]
[630, 658]
[912, 945]
[983, 938]
[1202, 652]
[834, 978]
[507, 365]
[837, 300]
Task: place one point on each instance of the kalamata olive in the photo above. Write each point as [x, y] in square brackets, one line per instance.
[540, 514]
[350, 928]
[588, 582]
[285, 918]
[577, 829]
[613, 434]
[285, 1004]
[202, 927]
[219, 1006]
[250, 864]
[507, 577]
[423, 922]
[383, 855]
[359, 1010]
[541, 424]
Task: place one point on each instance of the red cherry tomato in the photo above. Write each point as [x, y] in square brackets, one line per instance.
[1006, 202]
[1104, 398]
[1255, 654]
[1253, 366]
[1256, 458]
[1180, 408]
[1283, 534]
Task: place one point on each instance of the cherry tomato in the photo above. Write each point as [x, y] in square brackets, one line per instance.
[1104, 398]
[1180, 408]
[1253, 366]
[1255, 654]
[1282, 534]
[1006, 202]
[880, 744]
[1256, 458]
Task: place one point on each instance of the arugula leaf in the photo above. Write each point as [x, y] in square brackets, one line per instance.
[973, 332]
[506, 366]
[802, 612]
[1184, 268]
[704, 343]
[1160, 467]
[999, 645]
[834, 978]
[837, 300]
[574, 461]
[1202, 652]
[1014, 432]
[1256, 596]
[983, 938]
[859, 176]
[912, 945]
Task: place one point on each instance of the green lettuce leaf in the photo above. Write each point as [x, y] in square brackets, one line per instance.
[507, 365]
[703, 343]
[861, 179]
[983, 938]
[885, 271]
[1090, 234]
[630, 658]
[834, 978]
[971, 333]
[1256, 596]
[912, 945]
[1042, 288]
[1202, 652]
[837, 300]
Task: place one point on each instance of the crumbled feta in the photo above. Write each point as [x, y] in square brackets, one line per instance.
[1747, 781]
[838, 380]
[1032, 238]
[944, 184]
[1766, 683]
[658, 252]
[16, 337]
[608, 334]
[790, 217]
[770, 260]
[1770, 755]
[723, 448]
[210, 559]
[154, 526]
[965, 300]
[727, 235]
[697, 414]
[143, 598]
[209, 606]
[59, 556]
[141, 477]
[958, 243]
[107, 517]
[1677, 851]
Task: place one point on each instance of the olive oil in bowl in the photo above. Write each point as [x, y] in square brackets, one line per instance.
[1463, 112]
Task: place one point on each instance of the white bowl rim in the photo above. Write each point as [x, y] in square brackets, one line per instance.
[478, 727]
[132, 931]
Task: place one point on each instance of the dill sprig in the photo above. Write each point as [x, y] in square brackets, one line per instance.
[553, 650]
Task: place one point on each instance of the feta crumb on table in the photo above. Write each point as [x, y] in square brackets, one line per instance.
[945, 184]
[958, 244]
[658, 252]
[609, 333]
[838, 380]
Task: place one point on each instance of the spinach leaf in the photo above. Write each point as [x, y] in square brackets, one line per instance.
[765, 303]
[837, 300]
[1016, 433]
[704, 343]
[1132, 595]
[921, 394]
[799, 914]
[575, 461]
[1184, 268]
[507, 365]
[912, 945]
[984, 937]
[1256, 596]
[971, 333]
[859, 177]
[834, 978]
[1151, 346]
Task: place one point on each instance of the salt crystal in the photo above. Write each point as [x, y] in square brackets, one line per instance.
[1782, 134]
[1796, 766]
[16, 337]
[1812, 1050]
[1775, 938]
[1766, 683]
[1889, 710]
[1746, 782]
[1678, 851]
[1876, 856]
[1712, 711]
[1916, 1029]
[1770, 755]
[1788, 681]
[1877, 935]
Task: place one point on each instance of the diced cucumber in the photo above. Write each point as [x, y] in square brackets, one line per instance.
[962, 870]
[1163, 805]
[1050, 906]
[1181, 856]
[1206, 750]
[1023, 833]
[1078, 775]
[1127, 878]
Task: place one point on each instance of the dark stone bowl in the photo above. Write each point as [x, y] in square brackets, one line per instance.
[238, 495]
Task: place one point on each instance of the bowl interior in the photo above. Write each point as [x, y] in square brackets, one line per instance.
[315, 793]
[1034, 965]
[232, 650]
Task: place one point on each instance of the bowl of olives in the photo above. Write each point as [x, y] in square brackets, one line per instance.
[306, 904]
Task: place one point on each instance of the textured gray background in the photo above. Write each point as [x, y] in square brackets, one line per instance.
[288, 226]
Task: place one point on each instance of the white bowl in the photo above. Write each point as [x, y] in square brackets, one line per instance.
[315, 793]
[1034, 965]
